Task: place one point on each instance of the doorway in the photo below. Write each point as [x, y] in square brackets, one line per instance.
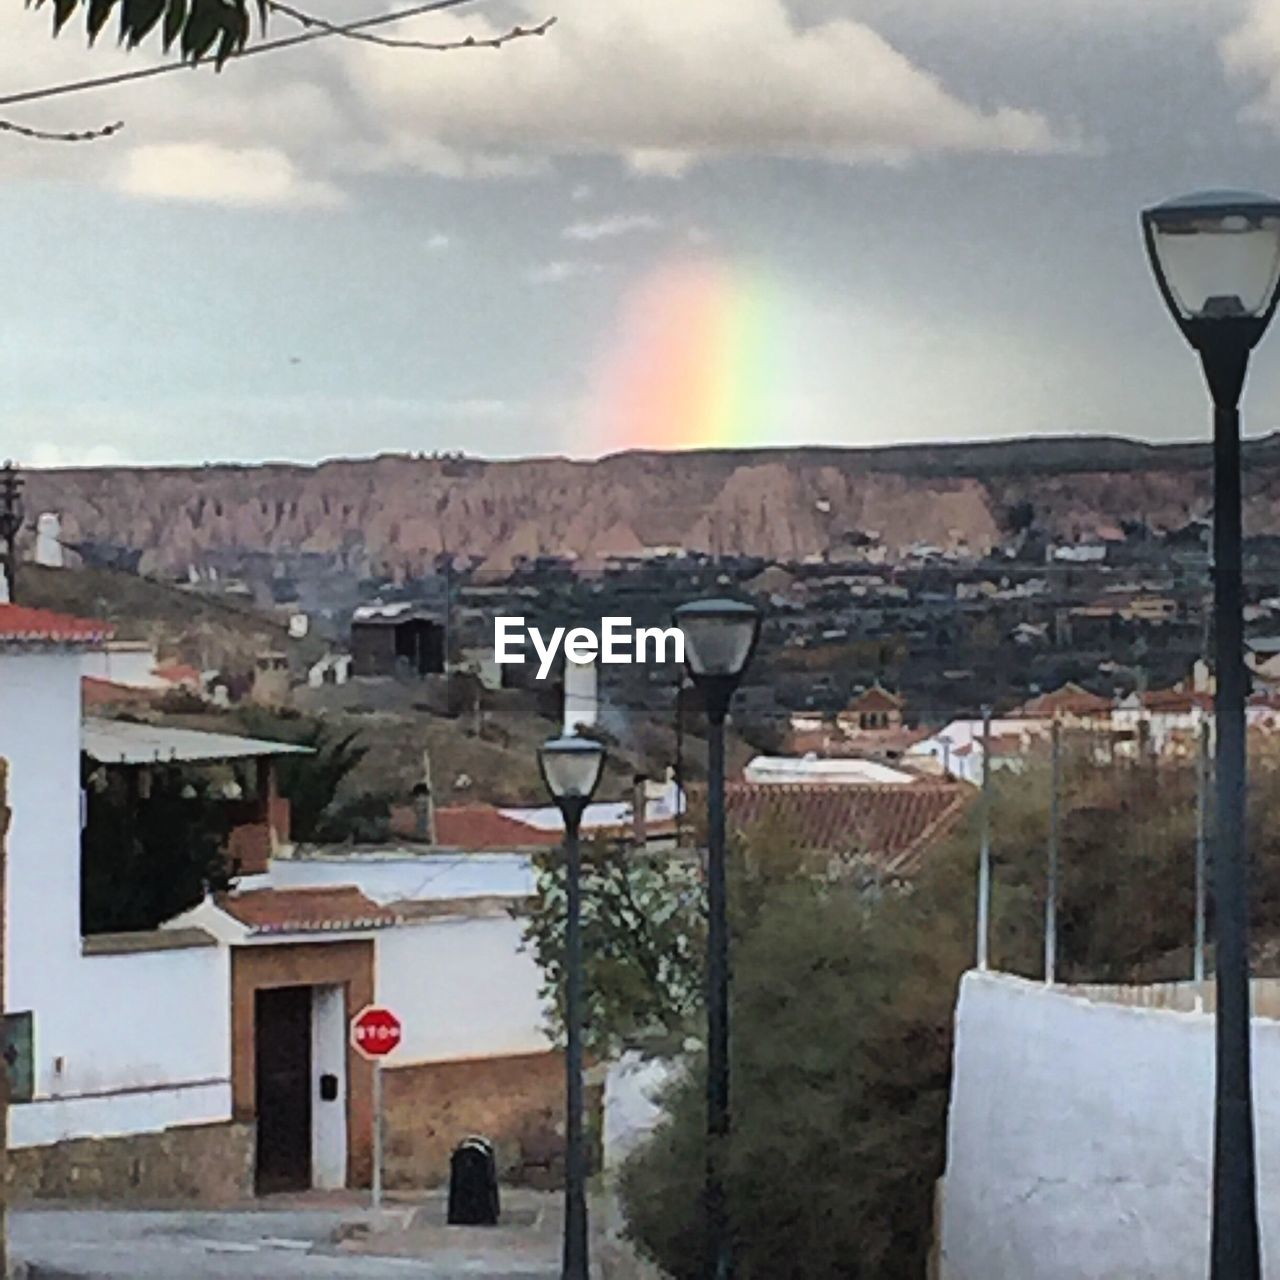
[282, 1056]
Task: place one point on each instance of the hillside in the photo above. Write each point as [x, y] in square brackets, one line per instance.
[398, 512]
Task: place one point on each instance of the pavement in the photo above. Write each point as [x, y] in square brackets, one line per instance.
[293, 1239]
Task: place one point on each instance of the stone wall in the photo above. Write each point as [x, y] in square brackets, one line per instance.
[205, 1164]
[516, 1102]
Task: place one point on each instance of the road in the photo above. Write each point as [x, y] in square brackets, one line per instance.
[292, 1244]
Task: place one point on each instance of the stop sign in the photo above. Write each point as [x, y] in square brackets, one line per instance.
[375, 1031]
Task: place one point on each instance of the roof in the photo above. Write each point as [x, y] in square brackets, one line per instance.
[826, 769]
[20, 625]
[106, 693]
[481, 826]
[340, 908]
[1070, 700]
[892, 825]
[177, 673]
[380, 615]
[876, 698]
[124, 742]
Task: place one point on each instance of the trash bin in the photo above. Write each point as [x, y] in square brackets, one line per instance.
[473, 1184]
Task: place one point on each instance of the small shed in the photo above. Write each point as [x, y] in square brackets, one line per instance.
[397, 640]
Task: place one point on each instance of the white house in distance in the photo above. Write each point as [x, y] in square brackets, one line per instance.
[210, 1057]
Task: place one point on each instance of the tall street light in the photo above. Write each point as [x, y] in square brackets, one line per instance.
[1216, 258]
[571, 768]
[719, 639]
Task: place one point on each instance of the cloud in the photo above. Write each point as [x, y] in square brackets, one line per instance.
[665, 85]
[560, 270]
[619, 224]
[256, 177]
[437, 241]
[1251, 54]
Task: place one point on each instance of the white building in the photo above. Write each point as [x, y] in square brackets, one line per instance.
[131, 663]
[122, 1041]
[817, 769]
[226, 1031]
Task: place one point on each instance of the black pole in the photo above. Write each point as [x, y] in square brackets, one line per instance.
[1235, 1247]
[719, 1244]
[575, 1174]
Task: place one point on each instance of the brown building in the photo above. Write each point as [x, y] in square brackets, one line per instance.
[397, 640]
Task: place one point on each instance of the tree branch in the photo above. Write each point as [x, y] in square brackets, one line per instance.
[45, 135]
[390, 42]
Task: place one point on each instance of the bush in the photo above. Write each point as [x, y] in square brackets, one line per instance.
[843, 1008]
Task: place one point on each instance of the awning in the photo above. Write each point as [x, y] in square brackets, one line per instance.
[123, 742]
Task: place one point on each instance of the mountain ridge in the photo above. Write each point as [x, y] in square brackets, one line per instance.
[396, 512]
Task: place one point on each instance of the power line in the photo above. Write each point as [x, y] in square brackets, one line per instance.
[266, 46]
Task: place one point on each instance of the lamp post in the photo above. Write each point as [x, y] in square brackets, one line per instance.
[571, 769]
[10, 526]
[719, 639]
[1216, 259]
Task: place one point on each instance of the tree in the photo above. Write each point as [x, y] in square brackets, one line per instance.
[146, 859]
[643, 935]
[843, 1009]
[197, 27]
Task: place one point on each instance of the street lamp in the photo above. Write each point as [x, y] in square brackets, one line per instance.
[719, 639]
[1216, 258]
[571, 769]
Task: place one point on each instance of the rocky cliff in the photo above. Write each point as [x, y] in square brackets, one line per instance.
[396, 513]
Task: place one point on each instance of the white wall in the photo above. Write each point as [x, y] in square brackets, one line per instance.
[631, 1110]
[463, 988]
[1079, 1137]
[151, 1028]
[413, 877]
[125, 665]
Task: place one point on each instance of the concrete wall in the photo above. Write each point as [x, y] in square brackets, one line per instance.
[463, 988]
[1079, 1137]
[126, 1043]
[631, 1108]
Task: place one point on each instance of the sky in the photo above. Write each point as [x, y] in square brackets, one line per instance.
[664, 223]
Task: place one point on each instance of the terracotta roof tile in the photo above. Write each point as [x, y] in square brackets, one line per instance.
[1070, 700]
[876, 698]
[20, 625]
[106, 693]
[338, 908]
[177, 673]
[480, 826]
[892, 825]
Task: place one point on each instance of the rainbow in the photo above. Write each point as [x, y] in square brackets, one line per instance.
[690, 364]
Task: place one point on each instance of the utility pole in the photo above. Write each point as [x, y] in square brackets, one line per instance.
[10, 524]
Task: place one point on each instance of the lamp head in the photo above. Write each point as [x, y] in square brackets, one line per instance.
[571, 768]
[1216, 260]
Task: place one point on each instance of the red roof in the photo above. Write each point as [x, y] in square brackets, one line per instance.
[20, 625]
[177, 673]
[480, 826]
[876, 698]
[340, 908]
[106, 693]
[893, 825]
[1070, 700]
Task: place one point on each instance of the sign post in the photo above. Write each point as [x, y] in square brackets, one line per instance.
[375, 1032]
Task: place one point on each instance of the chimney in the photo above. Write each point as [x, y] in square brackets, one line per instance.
[424, 825]
[639, 810]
